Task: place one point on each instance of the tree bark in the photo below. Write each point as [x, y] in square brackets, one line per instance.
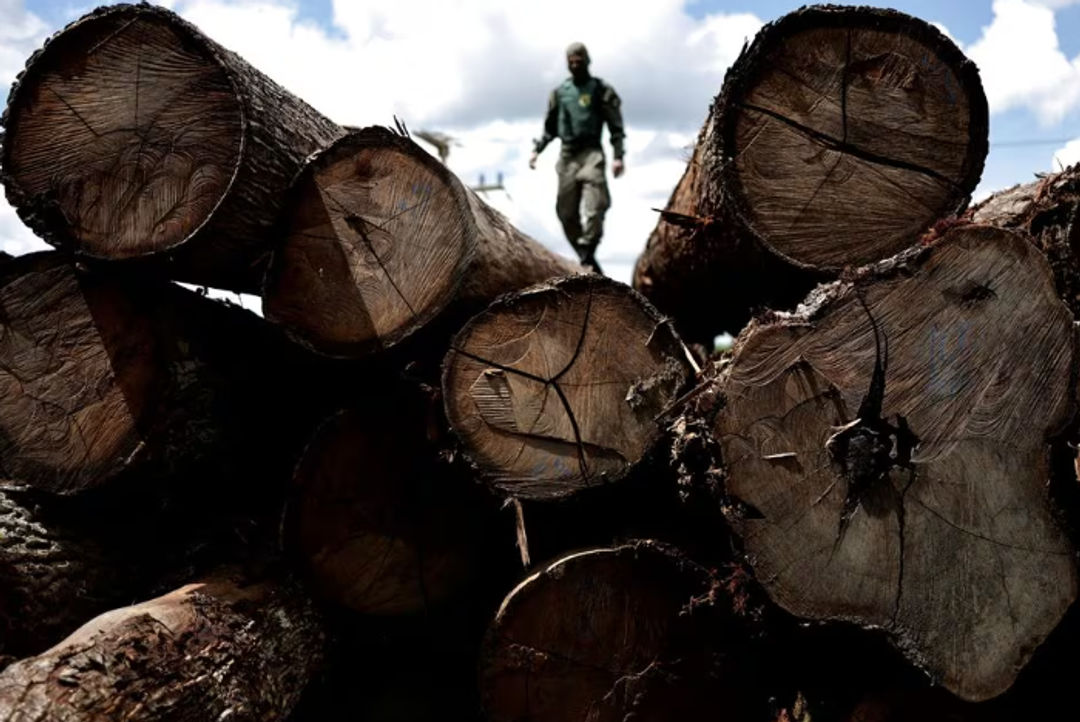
[213, 650]
[611, 634]
[1047, 209]
[103, 376]
[841, 134]
[131, 135]
[65, 560]
[560, 387]
[382, 524]
[380, 239]
[50, 581]
[887, 454]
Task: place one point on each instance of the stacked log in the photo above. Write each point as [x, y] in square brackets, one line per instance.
[605, 634]
[898, 425]
[841, 134]
[380, 239]
[131, 135]
[865, 512]
[1047, 209]
[215, 649]
[559, 388]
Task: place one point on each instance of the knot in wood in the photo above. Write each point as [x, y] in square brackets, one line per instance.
[864, 453]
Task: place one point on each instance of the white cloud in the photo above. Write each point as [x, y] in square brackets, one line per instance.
[481, 71]
[21, 31]
[1022, 64]
[1067, 155]
[1056, 4]
[15, 238]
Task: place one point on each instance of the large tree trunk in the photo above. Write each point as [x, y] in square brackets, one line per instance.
[102, 376]
[131, 134]
[561, 387]
[610, 634]
[215, 650]
[840, 136]
[887, 454]
[381, 238]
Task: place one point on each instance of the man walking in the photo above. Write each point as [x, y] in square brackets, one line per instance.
[577, 111]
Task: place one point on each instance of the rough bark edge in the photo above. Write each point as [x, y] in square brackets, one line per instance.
[262, 617]
[1047, 208]
[742, 73]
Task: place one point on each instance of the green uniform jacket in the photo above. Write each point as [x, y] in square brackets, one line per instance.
[577, 113]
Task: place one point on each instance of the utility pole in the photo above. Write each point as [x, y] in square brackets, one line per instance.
[482, 187]
[442, 143]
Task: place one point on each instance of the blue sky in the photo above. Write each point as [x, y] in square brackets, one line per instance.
[480, 70]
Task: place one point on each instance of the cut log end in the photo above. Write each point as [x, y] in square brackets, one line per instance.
[380, 531]
[847, 132]
[132, 153]
[379, 238]
[598, 635]
[560, 387]
[71, 382]
[889, 450]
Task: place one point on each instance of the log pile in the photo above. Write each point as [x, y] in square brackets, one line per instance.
[450, 475]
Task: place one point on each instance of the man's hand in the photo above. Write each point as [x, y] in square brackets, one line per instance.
[617, 167]
[532, 160]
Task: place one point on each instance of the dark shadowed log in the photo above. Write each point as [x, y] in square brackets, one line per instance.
[381, 238]
[1047, 209]
[64, 560]
[900, 704]
[131, 134]
[887, 451]
[560, 387]
[383, 525]
[215, 650]
[50, 580]
[841, 134]
[101, 375]
[607, 635]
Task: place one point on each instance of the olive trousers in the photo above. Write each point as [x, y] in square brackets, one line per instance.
[582, 201]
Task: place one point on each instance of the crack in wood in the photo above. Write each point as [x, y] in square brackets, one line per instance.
[843, 146]
[553, 382]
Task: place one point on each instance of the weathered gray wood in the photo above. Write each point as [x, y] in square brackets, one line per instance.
[887, 453]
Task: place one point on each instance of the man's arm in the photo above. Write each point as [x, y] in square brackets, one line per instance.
[612, 110]
[551, 128]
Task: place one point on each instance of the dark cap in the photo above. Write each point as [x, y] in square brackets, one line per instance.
[577, 49]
